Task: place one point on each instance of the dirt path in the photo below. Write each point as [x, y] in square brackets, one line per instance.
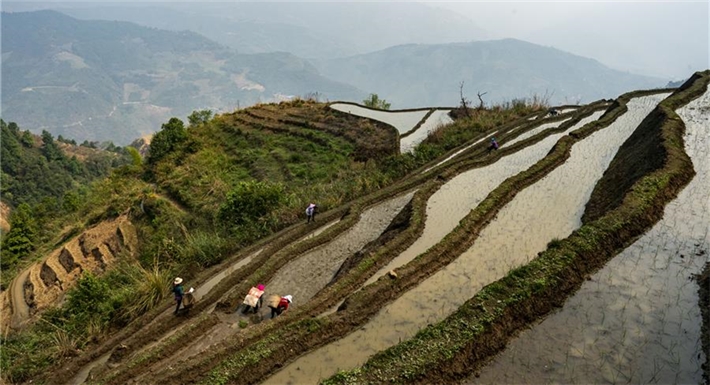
[637, 320]
[20, 310]
[534, 217]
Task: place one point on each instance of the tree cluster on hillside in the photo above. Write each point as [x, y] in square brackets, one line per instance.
[40, 181]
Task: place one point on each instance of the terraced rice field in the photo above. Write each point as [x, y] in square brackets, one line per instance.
[403, 121]
[555, 205]
[437, 119]
[637, 320]
[449, 235]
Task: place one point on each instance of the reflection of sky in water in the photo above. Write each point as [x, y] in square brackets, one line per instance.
[637, 320]
[508, 241]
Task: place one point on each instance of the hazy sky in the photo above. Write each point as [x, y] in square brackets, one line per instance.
[667, 39]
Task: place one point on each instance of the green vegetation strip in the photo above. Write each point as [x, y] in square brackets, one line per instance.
[456, 347]
[298, 337]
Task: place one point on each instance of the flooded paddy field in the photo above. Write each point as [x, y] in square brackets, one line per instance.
[637, 320]
[438, 118]
[403, 121]
[536, 216]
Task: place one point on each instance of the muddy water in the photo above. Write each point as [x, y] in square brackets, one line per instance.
[403, 121]
[460, 151]
[537, 130]
[637, 320]
[309, 273]
[551, 208]
[205, 288]
[455, 199]
[436, 119]
[319, 231]
[83, 375]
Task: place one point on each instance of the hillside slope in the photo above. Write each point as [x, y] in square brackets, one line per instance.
[101, 80]
[425, 75]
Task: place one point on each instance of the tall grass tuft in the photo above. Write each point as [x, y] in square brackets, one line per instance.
[151, 286]
[64, 344]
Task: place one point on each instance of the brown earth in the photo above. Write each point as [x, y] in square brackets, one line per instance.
[4, 217]
[44, 283]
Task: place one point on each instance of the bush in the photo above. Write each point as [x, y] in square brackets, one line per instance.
[251, 202]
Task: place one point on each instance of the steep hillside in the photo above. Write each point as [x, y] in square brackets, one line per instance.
[101, 80]
[423, 75]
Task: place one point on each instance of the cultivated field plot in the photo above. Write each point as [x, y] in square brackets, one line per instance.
[637, 320]
[403, 121]
[438, 118]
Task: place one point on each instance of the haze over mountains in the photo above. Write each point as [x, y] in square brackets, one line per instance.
[102, 80]
[107, 80]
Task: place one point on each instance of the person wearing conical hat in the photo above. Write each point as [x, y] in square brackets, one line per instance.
[311, 212]
[179, 291]
[281, 306]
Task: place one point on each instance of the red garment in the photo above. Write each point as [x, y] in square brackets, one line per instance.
[283, 303]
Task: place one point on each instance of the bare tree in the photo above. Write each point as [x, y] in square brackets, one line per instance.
[480, 98]
[465, 103]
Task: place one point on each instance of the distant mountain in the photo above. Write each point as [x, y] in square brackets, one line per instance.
[430, 75]
[321, 30]
[101, 80]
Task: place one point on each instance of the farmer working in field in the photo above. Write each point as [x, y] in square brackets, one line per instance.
[178, 291]
[493, 146]
[279, 304]
[311, 212]
[254, 299]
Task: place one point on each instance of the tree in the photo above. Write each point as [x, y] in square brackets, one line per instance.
[19, 241]
[197, 118]
[171, 135]
[374, 101]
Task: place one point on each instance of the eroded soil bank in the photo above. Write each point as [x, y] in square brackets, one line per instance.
[532, 219]
[637, 320]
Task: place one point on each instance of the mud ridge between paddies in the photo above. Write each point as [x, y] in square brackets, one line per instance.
[315, 306]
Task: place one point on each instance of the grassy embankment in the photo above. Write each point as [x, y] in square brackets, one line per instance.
[456, 347]
[182, 232]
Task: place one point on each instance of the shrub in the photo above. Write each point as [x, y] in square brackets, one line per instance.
[251, 201]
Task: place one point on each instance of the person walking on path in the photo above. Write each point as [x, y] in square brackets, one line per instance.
[179, 291]
[279, 305]
[254, 299]
[311, 212]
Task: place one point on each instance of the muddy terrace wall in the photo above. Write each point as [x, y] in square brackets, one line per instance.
[290, 336]
[455, 348]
